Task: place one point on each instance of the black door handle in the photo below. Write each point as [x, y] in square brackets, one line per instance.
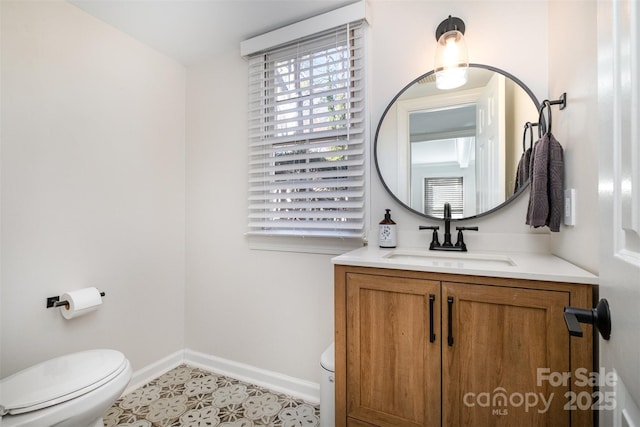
[599, 316]
[432, 335]
[450, 321]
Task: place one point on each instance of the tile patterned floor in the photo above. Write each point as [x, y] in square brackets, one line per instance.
[192, 397]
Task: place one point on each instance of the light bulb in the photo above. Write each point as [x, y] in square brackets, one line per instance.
[451, 60]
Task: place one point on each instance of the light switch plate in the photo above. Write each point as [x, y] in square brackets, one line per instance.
[570, 206]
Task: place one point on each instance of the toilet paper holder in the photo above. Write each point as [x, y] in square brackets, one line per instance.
[53, 302]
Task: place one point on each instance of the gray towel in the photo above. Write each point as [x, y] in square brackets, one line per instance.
[546, 175]
[522, 173]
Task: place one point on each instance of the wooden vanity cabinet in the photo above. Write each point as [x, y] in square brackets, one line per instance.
[431, 349]
[392, 356]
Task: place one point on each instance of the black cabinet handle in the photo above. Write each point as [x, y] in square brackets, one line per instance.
[432, 335]
[450, 321]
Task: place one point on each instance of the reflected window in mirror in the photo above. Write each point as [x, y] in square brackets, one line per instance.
[438, 191]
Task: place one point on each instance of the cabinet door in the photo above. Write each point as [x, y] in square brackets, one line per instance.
[393, 350]
[495, 340]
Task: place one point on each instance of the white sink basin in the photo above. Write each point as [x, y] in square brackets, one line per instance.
[450, 259]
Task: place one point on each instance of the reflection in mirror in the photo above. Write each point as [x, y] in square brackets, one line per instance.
[461, 146]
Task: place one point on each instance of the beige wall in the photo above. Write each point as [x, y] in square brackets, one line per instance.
[573, 69]
[268, 309]
[93, 137]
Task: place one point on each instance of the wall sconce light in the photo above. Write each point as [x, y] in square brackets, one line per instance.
[452, 59]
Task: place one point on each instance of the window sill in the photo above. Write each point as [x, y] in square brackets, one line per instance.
[304, 244]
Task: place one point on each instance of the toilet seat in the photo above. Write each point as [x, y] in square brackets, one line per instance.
[58, 380]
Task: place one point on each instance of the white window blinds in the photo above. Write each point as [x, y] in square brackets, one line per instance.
[306, 136]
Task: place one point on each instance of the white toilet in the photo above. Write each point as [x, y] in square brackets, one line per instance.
[328, 387]
[69, 391]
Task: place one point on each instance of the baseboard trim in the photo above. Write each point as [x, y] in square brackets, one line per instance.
[150, 372]
[302, 389]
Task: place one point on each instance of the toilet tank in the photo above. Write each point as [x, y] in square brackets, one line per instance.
[327, 387]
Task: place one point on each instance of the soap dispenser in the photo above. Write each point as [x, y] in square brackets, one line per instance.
[387, 231]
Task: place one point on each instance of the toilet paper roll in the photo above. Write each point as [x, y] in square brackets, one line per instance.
[80, 302]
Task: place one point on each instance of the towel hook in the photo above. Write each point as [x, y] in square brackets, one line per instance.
[562, 102]
[528, 126]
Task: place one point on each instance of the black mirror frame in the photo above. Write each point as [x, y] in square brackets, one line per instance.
[395, 98]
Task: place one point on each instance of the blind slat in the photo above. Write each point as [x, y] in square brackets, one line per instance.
[295, 187]
[328, 205]
[337, 195]
[303, 107]
[316, 145]
[346, 176]
[323, 225]
[300, 168]
[304, 134]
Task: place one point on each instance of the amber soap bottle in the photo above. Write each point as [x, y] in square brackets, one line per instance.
[387, 237]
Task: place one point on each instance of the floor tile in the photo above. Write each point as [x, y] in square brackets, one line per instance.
[192, 397]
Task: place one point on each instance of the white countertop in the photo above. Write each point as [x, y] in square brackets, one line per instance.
[517, 265]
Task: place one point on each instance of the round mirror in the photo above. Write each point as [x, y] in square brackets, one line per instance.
[464, 146]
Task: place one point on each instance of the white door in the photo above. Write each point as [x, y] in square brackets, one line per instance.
[490, 148]
[619, 195]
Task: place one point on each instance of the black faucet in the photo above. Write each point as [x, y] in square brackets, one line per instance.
[447, 226]
[435, 245]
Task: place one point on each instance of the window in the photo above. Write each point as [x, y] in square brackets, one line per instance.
[438, 191]
[306, 136]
